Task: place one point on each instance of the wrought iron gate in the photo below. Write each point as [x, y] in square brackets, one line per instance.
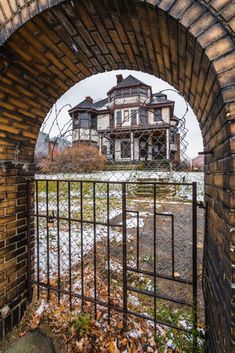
[125, 246]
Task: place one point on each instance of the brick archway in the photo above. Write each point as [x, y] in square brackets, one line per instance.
[45, 50]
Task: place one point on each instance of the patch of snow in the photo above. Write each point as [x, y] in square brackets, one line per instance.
[134, 334]
[43, 305]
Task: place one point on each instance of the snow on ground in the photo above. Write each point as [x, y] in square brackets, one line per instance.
[133, 176]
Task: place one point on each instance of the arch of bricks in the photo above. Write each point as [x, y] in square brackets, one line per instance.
[48, 46]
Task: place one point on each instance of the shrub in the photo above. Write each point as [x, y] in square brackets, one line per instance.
[75, 159]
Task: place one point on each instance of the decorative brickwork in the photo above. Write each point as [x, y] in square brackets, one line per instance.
[45, 50]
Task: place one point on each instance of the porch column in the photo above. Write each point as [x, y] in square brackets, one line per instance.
[132, 146]
[100, 144]
[150, 148]
[168, 144]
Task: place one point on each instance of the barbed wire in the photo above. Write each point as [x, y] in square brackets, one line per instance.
[67, 129]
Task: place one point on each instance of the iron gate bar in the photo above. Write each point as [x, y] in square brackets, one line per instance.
[37, 227]
[81, 225]
[159, 322]
[155, 295]
[58, 234]
[124, 255]
[115, 307]
[48, 249]
[154, 256]
[70, 262]
[158, 275]
[94, 248]
[116, 182]
[194, 256]
[108, 252]
[78, 220]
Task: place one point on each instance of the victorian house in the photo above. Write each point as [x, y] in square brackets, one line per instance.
[131, 124]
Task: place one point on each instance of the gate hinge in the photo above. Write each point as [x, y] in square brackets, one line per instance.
[201, 204]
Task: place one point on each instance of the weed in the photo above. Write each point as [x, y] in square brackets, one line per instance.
[82, 324]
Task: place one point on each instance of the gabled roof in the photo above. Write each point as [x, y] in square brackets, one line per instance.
[86, 104]
[129, 81]
[160, 98]
[101, 103]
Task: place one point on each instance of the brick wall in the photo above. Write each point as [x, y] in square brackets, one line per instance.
[45, 51]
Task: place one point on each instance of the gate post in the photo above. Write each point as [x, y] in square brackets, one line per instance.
[194, 258]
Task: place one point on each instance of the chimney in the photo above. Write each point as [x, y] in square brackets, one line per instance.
[89, 99]
[119, 78]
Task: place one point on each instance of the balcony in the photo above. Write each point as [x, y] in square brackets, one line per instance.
[89, 135]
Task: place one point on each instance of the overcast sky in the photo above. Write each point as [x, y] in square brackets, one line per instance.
[98, 85]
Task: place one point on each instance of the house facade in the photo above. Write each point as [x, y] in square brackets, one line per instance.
[131, 124]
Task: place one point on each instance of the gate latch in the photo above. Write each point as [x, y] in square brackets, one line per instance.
[201, 204]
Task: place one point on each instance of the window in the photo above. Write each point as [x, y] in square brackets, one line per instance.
[173, 135]
[125, 149]
[158, 115]
[118, 117]
[118, 94]
[126, 92]
[84, 120]
[143, 92]
[126, 115]
[93, 122]
[143, 117]
[135, 91]
[134, 117]
[76, 122]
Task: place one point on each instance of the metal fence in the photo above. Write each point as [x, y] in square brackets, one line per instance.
[128, 247]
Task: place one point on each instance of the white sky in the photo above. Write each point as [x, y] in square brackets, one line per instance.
[98, 85]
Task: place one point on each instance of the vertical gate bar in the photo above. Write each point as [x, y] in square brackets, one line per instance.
[124, 255]
[155, 255]
[173, 245]
[138, 242]
[81, 216]
[58, 235]
[70, 265]
[29, 240]
[48, 250]
[194, 231]
[108, 250]
[37, 225]
[94, 249]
